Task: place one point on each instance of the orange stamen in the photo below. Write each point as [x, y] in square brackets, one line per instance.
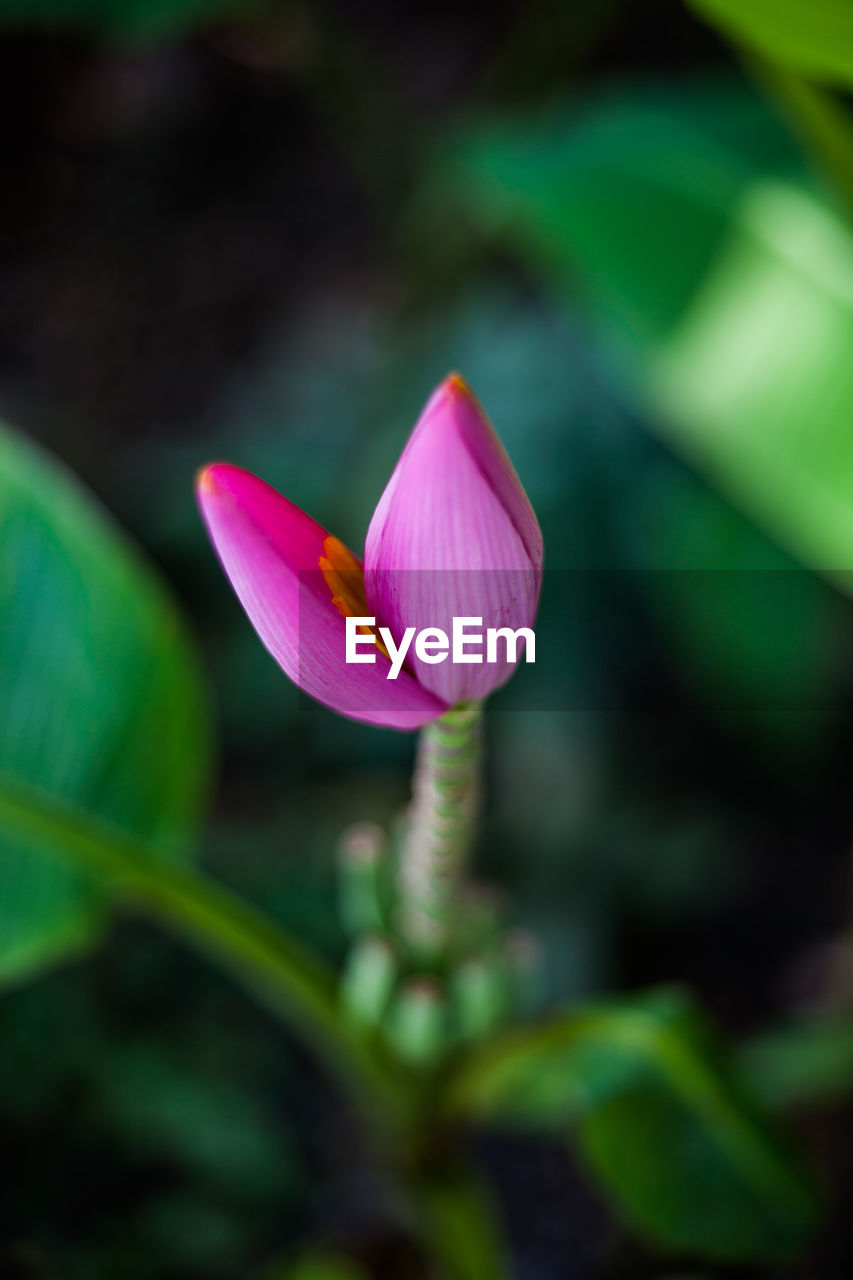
[344, 575]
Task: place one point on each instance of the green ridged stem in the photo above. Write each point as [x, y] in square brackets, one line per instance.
[440, 829]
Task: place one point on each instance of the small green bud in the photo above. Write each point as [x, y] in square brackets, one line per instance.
[369, 979]
[480, 993]
[362, 875]
[417, 1021]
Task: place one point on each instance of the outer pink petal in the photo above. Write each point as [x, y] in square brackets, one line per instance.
[454, 535]
[270, 551]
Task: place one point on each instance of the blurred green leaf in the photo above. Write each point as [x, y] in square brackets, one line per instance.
[661, 1120]
[815, 37]
[756, 383]
[170, 1109]
[727, 294]
[124, 19]
[819, 117]
[289, 980]
[628, 199]
[764, 638]
[806, 1063]
[101, 701]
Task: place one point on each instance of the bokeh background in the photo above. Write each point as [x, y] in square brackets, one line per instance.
[263, 233]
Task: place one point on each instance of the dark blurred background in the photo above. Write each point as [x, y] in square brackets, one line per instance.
[235, 232]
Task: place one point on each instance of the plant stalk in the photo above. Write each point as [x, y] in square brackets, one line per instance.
[440, 829]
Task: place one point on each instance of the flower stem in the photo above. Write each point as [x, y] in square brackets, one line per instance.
[440, 830]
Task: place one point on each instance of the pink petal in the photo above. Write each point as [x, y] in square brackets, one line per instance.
[270, 550]
[454, 535]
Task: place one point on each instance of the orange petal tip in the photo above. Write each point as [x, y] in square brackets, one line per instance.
[456, 385]
[205, 479]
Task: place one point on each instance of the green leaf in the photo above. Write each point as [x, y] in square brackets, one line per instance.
[726, 293]
[819, 117]
[815, 36]
[276, 969]
[763, 638]
[755, 383]
[661, 1120]
[101, 701]
[628, 199]
[807, 1063]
